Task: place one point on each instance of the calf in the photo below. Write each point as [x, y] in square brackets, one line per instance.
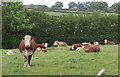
[27, 48]
[60, 43]
[108, 42]
[42, 47]
[76, 47]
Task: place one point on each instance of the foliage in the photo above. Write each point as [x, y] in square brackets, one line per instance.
[115, 7]
[57, 5]
[15, 24]
[102, 6]
[71, 28]
[72, 5]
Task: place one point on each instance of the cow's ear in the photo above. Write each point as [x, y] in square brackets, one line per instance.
[23, 38]
[31, 38]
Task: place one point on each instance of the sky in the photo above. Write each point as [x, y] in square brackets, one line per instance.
[49, 3]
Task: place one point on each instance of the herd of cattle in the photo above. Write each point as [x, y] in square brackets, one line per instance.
[28, 46]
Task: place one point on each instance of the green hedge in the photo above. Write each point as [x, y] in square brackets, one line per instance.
[71, 28]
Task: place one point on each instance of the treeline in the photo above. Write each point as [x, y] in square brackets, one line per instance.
[71, 28]
[89, 6]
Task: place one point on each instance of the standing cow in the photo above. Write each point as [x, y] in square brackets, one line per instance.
[108, 42]
[27, 48]
[60, 43]
[42, 47]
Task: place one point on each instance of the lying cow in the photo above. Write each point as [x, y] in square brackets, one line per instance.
[91, 48]
[42, 47]
[108, 42]
[76, 47]
[60, 43]
[27, 48]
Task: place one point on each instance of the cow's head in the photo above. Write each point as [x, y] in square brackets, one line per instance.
[105, 41]
[96, 43]
[46, 44]
[55, 43]
[27, 40]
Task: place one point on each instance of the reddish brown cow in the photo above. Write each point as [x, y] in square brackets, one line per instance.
[42, 47]
[91, 48]
[60, 43]
[76, 47]
[27, 48]
[108, 42]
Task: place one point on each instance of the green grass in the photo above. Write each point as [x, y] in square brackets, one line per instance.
[55, 13]
[61, 61]
[0, 62]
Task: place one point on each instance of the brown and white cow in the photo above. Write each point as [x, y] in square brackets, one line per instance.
[76, 47]
[108, 42]
[42, 47]
[60, 43]
[91, 48]
[27, 48]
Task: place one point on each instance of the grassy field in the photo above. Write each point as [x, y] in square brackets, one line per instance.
[61, 61]
[73, 12]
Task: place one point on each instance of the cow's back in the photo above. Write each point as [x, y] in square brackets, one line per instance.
[111, 43]
[92, 48]
[95, 48]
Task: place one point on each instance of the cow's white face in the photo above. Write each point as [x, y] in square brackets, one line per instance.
[27, 40]
[96, 43]
[46, 44]
[105, 41]
[55, 43]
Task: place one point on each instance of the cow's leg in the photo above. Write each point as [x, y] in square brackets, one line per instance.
[29, 58]
[25, 61]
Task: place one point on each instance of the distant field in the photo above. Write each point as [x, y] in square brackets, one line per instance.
[55, 13]
[72, 12]
[61, 61]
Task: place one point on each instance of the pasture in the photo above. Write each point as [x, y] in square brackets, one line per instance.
[61, 61]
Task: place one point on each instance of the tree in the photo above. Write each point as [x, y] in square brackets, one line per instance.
[15, 23]
[57, 5]
[115, 7]
[83, 5]
[101, 6]
[72, 5]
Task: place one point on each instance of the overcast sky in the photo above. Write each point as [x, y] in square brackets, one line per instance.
[49, 3]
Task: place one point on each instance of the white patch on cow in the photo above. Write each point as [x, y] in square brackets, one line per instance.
[82, 46]
[25, 64]
[38, 49]
[78, 48]
[55, 43]
[29, 52]
[28, 65]
[27, 40]
[105, 41]
[43, 49]
[72, 47]
[46, 44]
[25, 61]
[85, 43]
